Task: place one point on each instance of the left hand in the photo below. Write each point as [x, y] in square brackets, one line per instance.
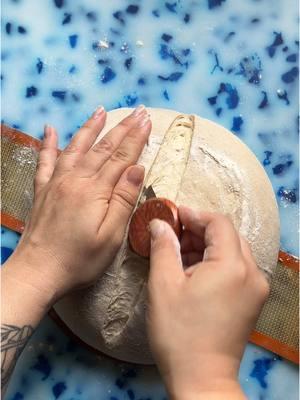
[83, 201]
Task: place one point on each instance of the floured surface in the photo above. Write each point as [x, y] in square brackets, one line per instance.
[205, 167]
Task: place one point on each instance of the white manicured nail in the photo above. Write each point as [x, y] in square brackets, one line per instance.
[138, 110]
[98, 112]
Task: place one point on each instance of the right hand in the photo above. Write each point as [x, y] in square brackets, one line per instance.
[200, 317]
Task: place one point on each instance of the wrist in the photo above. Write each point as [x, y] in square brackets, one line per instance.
[216, 389]
[27, 271]
[209, 376]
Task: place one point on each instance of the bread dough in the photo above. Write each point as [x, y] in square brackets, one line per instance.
[191, 161]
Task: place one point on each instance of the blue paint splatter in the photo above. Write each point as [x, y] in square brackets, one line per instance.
[217, 63]
[174, 77]
[281, 168]
[166, 95]
[108, 75]
[232, 100]
[165, 52]
[39, 66]
[6, 252]
[251, 68]
[282, 95]
[185, 52]
[219, 111]
[18, 396]
[131, 394]
[58, 389]
[290, 76]
[67, 18]
[131, 100]
[22, 30]
[101, 61]
[141, 81]
[215, 3]
[120, 383]
[31, 91]
[187, 18]
[291, 58]
[59, 94]
[166, 37]
[237, 123]
[171, 7]
[128, 63]
[119, 16]
[73, 41]
[8, 27]
[228, 37]
[42, 365]
[264, 102]
[75, 97]
[59, 3]
[72, 69]
[261, 369]
[212, 100]
[92, 16]
[289, 195]
[267, 160]
[278, 41]
[132, 9]
[156, 13]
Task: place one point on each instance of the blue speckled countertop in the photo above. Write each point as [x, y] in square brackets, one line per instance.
[235, 62]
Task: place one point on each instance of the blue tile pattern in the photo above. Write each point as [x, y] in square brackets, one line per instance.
[233, 62]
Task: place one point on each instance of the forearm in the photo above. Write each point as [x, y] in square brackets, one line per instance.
[23, 306]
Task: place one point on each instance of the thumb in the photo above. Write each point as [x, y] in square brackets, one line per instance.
[165, 259]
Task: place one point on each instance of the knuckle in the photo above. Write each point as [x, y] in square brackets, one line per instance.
[105, 145]
[240, 275]
[120, 156]
[125, 198]
[263, 286]
[42, 164]
[125, 123]
[71, 149]
[225, 220]
[87, 126]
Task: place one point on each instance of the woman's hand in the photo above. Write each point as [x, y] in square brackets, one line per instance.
[200, 317]
[83, 200]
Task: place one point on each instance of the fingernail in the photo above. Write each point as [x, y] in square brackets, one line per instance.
[157, 228]
[47, 131]
[136, 175]
[98, 112]
[144, 121]
[138, 110]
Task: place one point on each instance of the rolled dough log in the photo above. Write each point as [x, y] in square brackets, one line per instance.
[191, 161]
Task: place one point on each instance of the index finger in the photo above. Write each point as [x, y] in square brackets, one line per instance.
[219, 235]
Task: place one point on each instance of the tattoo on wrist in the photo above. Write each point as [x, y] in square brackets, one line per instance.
[13, 340]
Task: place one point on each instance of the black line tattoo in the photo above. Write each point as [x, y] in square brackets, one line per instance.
[13, 340]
